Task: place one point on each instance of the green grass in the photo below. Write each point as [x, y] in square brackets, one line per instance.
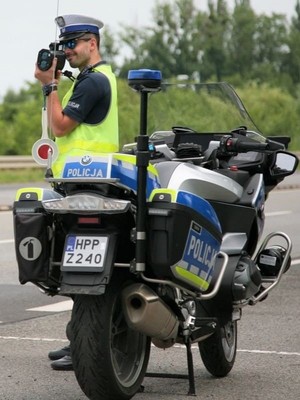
[22, 175]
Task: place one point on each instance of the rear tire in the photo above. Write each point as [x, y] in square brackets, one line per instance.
[218, 352]
[109, 359]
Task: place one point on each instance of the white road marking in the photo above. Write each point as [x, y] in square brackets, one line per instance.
[277, 213]
[7, 241]
[295, 262]
[278, 353]
[37, 339]
[33, 339]
[56, 307]
[273, 352]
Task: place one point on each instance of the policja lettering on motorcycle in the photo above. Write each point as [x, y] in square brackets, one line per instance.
[201, 251]
[87, 172]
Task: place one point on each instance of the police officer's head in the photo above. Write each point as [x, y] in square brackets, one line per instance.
[79, 35]
[75, 26]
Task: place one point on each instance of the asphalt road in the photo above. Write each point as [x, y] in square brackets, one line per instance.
[267, 364]
[268, 358]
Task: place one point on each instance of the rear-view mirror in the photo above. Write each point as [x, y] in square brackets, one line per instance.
[285, 164]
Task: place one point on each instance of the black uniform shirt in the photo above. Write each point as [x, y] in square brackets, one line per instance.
[90, 100]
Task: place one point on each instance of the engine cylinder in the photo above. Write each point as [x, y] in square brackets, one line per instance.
[247, 279]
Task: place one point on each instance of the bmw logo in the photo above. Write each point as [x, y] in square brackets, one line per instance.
[86, 160]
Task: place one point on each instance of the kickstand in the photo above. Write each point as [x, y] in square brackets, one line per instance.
[190, 363]
[190, 376]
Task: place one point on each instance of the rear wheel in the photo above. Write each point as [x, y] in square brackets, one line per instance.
[109, 359]
[218, 352]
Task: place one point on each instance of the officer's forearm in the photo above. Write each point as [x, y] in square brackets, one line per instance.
[59, 123]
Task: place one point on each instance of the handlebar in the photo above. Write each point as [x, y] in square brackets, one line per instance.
[230, 145]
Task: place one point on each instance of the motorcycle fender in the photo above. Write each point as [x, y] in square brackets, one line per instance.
[89, 281]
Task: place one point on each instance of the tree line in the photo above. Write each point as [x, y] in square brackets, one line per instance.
[258, 54]
[218, 44]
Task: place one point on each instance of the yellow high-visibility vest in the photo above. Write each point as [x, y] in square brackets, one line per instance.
[87, 139]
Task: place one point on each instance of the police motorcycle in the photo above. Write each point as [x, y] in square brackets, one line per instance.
[162, 242]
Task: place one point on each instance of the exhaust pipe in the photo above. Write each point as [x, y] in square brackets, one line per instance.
[147, 313]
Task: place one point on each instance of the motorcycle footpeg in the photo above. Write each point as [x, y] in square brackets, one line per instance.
[203, 331]
[261, 295]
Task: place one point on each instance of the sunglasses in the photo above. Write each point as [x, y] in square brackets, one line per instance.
[71, 44]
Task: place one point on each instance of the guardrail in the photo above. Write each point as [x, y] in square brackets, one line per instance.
[26, 162]
[17, 162]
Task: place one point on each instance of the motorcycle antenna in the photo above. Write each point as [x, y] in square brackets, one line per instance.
[44, 151]
[144, 81]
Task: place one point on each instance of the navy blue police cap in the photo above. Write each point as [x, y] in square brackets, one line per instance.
[73, 26]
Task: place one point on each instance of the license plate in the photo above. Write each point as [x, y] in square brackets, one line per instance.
[84, 252]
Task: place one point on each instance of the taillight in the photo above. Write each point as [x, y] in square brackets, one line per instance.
[88, 221]
[86, 204]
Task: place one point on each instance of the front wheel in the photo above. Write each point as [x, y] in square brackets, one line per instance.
[109, 359]
[218, 352]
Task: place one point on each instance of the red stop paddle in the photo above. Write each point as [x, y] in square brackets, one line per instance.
[44, 151]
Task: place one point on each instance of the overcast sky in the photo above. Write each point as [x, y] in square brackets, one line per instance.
[27, 26]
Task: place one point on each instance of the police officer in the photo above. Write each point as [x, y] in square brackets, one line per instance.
[86, 122]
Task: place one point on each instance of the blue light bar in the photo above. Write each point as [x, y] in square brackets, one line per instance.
[145, 74]
[144, 80]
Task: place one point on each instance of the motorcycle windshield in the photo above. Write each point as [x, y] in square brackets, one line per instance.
[204, 108]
